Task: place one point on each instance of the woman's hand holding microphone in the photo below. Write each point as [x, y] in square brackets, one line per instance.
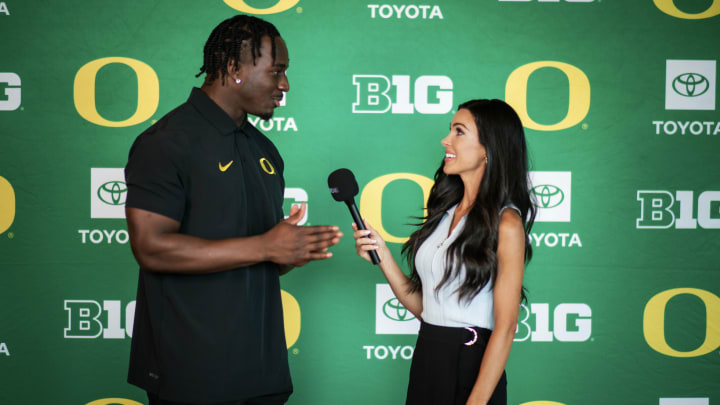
[369, 240]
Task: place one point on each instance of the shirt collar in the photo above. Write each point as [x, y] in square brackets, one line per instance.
[212, 112]
[451, 211]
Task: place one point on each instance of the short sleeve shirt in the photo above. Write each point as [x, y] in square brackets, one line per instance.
[210, 337]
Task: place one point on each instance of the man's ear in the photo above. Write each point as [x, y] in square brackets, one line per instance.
[236, 72]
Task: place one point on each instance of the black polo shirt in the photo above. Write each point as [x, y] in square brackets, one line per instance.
[214, 337]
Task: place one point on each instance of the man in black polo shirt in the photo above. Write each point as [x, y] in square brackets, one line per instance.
[204, 213]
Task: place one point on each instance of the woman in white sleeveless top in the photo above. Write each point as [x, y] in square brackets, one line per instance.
[467, 260]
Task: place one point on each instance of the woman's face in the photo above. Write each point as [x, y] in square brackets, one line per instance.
[464, 155]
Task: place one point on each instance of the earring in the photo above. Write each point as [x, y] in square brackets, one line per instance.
[238, 81]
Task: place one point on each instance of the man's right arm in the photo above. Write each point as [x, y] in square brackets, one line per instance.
[158, 247]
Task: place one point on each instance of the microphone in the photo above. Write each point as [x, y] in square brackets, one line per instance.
[344, 187]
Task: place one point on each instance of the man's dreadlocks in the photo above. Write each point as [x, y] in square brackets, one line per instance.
[229, 39]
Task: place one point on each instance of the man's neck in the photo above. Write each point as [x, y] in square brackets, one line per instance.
[223, 98]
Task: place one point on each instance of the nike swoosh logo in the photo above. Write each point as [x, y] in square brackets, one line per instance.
[224, 168]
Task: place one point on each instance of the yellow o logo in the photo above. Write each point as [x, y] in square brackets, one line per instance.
[291, 314]
[542, 403]
[371, 200]
[148, 92]
[654, 322]
[279, 7]
[579, 100]
[266, 166]
[114, 401]
[7, 205]
[668, 7]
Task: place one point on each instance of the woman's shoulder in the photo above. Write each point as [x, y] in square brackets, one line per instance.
[511, 206]
[511, 224]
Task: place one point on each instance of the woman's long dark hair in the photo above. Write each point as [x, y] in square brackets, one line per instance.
[505, 182]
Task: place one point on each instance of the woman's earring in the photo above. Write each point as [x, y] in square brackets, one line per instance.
[238, 81]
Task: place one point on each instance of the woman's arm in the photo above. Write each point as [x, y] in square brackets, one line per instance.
[506, 300]
[399, 282]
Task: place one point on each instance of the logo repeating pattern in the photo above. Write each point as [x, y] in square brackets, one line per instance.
[690, 85]
[391, 317]
[678, 209]
[551, 192]
[12, 91]
[108, 192]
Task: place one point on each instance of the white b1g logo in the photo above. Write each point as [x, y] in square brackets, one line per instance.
[563, 313]
[84, 319]
[373, 94]
[656, 210]
[12, 92]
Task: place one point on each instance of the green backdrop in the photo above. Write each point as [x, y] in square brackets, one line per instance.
[619, 103]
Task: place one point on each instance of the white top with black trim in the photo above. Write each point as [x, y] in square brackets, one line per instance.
[442, 308]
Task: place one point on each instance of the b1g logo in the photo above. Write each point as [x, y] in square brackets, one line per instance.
[551, 192]
[12, 91]
[432, 94]
[684, 401]
[7, 205]
[391, 317]
[89, 319]
[84, 319]
[690, 85]
[654, 328]
[668, 7]
[564, 314]
[660, 209]
[108, 193]
[295, 196]
[279, 7]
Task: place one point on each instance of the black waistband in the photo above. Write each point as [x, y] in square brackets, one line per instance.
[454, 334]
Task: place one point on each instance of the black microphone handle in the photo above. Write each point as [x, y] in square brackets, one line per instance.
[361, 225]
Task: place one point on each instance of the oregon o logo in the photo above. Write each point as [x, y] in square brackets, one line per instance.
[668, 7]
[114, 401]
[547, 196]
[148, 92]
[654, 322]
[371, 200]
[113, 192]
[266, 166]
[7, 205]
[279, 7]
[291, 314]
[690, 84]
[394, 310]
[542, 403]
[579, 98]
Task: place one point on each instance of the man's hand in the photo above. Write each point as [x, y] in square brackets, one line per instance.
[289, 244]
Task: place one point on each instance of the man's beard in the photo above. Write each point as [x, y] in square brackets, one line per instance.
[266, 116]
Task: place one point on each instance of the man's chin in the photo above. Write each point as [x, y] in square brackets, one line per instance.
[266, 116]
